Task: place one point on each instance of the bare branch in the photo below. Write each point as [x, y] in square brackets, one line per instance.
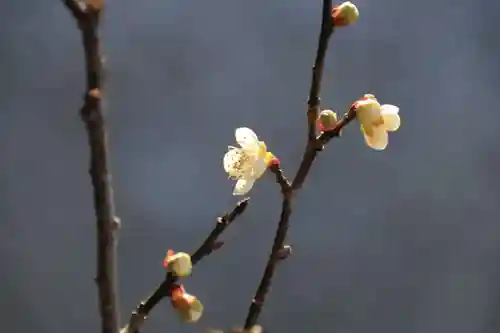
[163, 290]
[87, 19]
[278, 244]
[313, 146]
[327, 29]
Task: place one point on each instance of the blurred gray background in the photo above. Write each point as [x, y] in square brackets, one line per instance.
[407, 240]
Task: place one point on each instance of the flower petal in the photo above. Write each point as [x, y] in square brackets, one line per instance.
[180, 264]
[378, 140]
[247, 138]
[368, 113]
[259, 168]
[194, 312]
[243, 186]
[389, 109]
[391, 117]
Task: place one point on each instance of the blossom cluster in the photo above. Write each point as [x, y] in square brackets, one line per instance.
[247, 163]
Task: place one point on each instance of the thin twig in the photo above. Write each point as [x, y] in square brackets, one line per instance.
[314, 145]
[274, 258]
[87, 18]
[163, 290]
[326, 31]
[313, 103]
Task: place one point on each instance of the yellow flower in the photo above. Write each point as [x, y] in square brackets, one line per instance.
[376, 120]
[178, 263]
[248, 163]
[187, 306]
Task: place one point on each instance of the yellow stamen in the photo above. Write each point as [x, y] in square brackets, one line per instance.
[262, 149]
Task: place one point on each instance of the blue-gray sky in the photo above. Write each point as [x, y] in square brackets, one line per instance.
[407, 240]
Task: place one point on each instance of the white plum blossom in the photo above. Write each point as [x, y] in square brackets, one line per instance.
[247, 163]
[376, 120]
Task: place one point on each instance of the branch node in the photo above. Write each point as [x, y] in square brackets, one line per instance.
[95, 6]
[317, 145]
[117, 223]
[94, 94]
[223, 219]
[284, 252]
[257, 302]
[217, 245]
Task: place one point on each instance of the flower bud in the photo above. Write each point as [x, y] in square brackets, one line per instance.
[327, 120]
[188, 306]
[344, 14]
[271, 160]
[179, 263]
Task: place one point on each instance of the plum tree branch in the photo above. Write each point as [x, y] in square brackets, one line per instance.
[210, 244]
[314, 145]
[326, 30]
[87, 17]
[278, 244]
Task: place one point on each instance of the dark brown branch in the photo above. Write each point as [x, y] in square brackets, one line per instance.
[313, 103]
[314, 145]
[163, 290]
[288, 191]
[87, 17]
[275, 257]
[326, 31]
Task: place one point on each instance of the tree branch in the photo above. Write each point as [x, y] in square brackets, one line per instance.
[163, 290]
[87, 17]
[326, 31]
[274, 258]
[314, 145]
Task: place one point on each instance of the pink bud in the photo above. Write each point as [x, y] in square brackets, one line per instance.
[170, 253]
[274, 162]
